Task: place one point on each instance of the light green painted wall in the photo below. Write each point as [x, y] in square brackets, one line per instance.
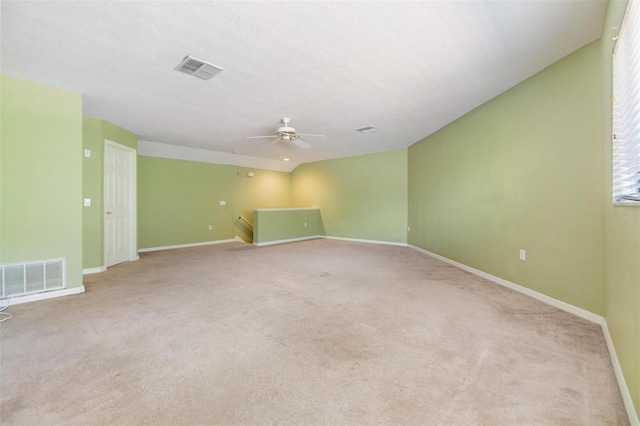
[361, 197]
[92, 231]
[118, 135]
[622, 240]
[41, 215]
[94, 133]
[178, 200]
[522, 171]
[278, 225]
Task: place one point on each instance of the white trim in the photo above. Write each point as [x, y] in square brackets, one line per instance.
[163, 150]
[312, 237]
[132, 157]
[290, 240]
[582, 313]
[357, 240]
[622, 383]
[96, 270]
[179, 246]
[287, 209]
[34, 262]
[626, 204]
[46, 295]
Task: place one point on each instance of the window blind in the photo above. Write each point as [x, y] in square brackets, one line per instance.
[626, 108]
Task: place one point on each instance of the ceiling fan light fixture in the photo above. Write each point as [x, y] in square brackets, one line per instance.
[287, 134]
[367, 129]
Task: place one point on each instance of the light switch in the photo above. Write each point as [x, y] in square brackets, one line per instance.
[223, 203]
[87, 202]
[87, 153]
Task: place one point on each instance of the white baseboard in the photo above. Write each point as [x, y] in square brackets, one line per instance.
[622, 383]
[290, 240]
[582, 313]
[46, 295]
[313, 237]
[96, 270]
[358, 240]
[206, 243]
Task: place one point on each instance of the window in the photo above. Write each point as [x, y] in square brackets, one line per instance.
[626, 108]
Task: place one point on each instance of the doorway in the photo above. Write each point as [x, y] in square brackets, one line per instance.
[120, 240]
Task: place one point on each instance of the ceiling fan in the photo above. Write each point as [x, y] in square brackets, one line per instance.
[287, 134]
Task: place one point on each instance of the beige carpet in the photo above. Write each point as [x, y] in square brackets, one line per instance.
[316, 332]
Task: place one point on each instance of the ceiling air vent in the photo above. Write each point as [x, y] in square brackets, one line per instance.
[368, 129]
[197, 68]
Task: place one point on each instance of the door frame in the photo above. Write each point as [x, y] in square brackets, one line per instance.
[132, 211]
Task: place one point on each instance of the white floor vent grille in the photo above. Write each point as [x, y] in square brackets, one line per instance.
[32, 277]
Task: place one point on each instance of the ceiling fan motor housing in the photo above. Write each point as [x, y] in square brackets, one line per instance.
[287, 131]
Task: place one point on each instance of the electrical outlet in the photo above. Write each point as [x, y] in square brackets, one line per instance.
[223, 203]
[210, 228]
[87, 202]
[87, 153]
[523, 255]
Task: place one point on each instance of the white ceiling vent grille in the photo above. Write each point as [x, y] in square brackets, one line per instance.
[197, 68]
[368, 129]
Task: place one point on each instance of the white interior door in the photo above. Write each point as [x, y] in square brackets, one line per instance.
[117, 203]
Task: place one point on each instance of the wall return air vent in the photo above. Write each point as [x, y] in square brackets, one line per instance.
[197, 68]
[22, 279]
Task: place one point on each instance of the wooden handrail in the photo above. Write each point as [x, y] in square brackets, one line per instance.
[246, 221]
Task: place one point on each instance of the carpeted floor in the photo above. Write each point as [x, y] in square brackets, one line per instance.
[316, 332]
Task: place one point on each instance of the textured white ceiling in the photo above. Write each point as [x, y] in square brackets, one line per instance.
[408, 68]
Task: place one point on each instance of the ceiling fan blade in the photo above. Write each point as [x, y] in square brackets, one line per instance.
[261, 137]
[309, 134]
[273, 142]
[302, 144]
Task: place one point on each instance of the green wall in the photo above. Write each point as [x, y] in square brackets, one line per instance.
[92, 228]
[41, 155]
[94, 133]
[178, 200]
[523, 171]
[361, 197]
[622, 240]
[286, 224]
